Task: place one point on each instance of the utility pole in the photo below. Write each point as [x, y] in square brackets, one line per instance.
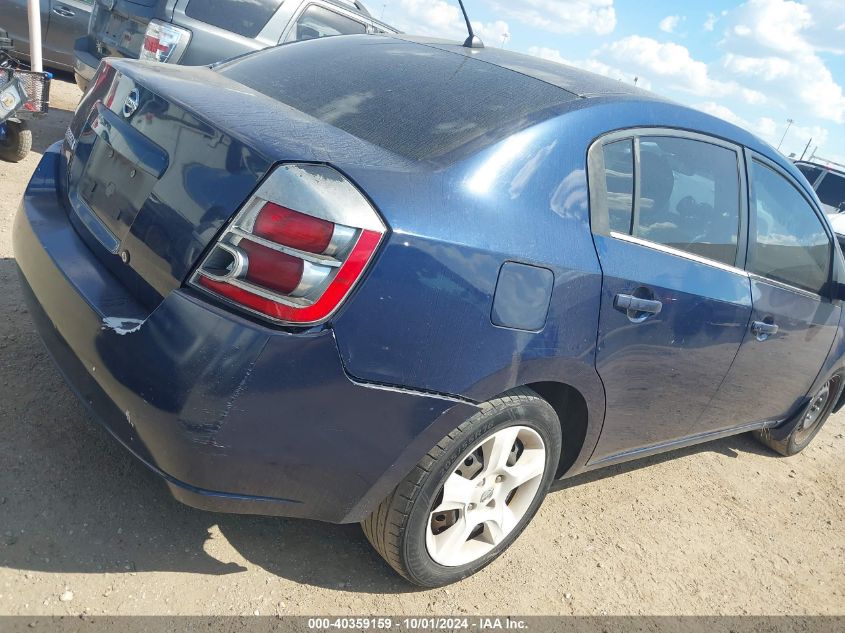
[505, 37]
[789, 123]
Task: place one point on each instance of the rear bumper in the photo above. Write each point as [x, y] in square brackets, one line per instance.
[84, 63]
[235, 416]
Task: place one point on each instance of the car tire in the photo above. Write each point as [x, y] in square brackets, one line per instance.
[17, 142]
[408, 534]
[811, 422]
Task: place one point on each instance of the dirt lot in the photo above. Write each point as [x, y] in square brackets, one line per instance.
[724, 528]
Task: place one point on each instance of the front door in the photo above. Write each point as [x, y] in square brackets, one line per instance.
[793, 324]
[668, 218]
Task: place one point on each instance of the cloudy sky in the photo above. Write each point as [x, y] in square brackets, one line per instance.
[755, 63]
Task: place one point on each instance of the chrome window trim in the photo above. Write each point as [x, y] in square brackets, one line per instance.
[785, 286]
[599, 222]
[657, 246]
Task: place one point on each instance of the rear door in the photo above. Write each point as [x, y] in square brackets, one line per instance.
[790, 259]
[668, 218]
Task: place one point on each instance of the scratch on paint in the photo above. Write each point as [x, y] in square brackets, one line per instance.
[122, 326]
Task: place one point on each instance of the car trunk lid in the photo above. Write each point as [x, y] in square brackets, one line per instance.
[162, 156]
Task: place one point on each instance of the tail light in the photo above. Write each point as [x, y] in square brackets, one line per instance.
[162, 41]
[296, 248]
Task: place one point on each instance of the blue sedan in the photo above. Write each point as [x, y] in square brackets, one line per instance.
[406, 283]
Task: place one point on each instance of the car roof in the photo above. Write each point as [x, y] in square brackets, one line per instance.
[579, 82]
[513, 92]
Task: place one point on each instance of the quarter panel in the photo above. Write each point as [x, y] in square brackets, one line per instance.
[422, 318]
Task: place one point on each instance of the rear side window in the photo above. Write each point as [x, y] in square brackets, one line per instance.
[244, 17]
[317, 21]
[831, 190]
[687, 196]
[790, 245]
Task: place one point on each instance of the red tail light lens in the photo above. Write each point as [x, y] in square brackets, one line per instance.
[297, 247]
[272, 269]
[293, 229]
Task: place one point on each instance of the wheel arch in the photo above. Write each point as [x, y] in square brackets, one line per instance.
[573, 415]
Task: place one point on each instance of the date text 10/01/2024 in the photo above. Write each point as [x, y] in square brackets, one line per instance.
[422, 623]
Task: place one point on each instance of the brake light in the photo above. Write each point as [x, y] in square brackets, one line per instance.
[297, 247]
[162, 40]
[293, 229]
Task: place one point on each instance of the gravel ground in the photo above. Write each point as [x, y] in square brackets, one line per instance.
[723, 528]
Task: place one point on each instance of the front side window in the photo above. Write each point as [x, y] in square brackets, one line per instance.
[831, 191]
[790, 244]
[688, 194]
[244, 17]
[318, 21]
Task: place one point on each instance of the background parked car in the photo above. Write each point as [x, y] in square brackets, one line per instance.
[62, 22]
[196, 32]
[829, 184]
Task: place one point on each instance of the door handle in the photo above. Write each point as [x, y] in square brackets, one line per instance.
[763, 330]
[63, 11]
[635, 308]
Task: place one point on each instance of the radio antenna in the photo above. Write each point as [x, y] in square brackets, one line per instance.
[473, 41]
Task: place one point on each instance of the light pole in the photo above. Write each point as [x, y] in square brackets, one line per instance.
[505, 37]
[789, 123]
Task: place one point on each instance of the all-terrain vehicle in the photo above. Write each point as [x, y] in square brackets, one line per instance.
[24, 94]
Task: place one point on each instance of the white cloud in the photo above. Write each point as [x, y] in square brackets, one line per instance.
[440, 18]
[590, 64]
[561, 16]
[670, 65]
[773, 47]
[710, 22]
[670, 23]
[795, 141]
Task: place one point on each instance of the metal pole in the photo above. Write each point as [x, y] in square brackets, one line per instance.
[34, 10]
[806, 148]
[789, 123]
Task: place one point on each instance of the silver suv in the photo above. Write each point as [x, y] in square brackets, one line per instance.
[828, 182]
[198, 32]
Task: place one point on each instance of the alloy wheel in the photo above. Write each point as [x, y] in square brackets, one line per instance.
[486, 496]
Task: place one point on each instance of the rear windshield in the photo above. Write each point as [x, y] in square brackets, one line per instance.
[413, 100]
[831, 190]
[244, 17]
